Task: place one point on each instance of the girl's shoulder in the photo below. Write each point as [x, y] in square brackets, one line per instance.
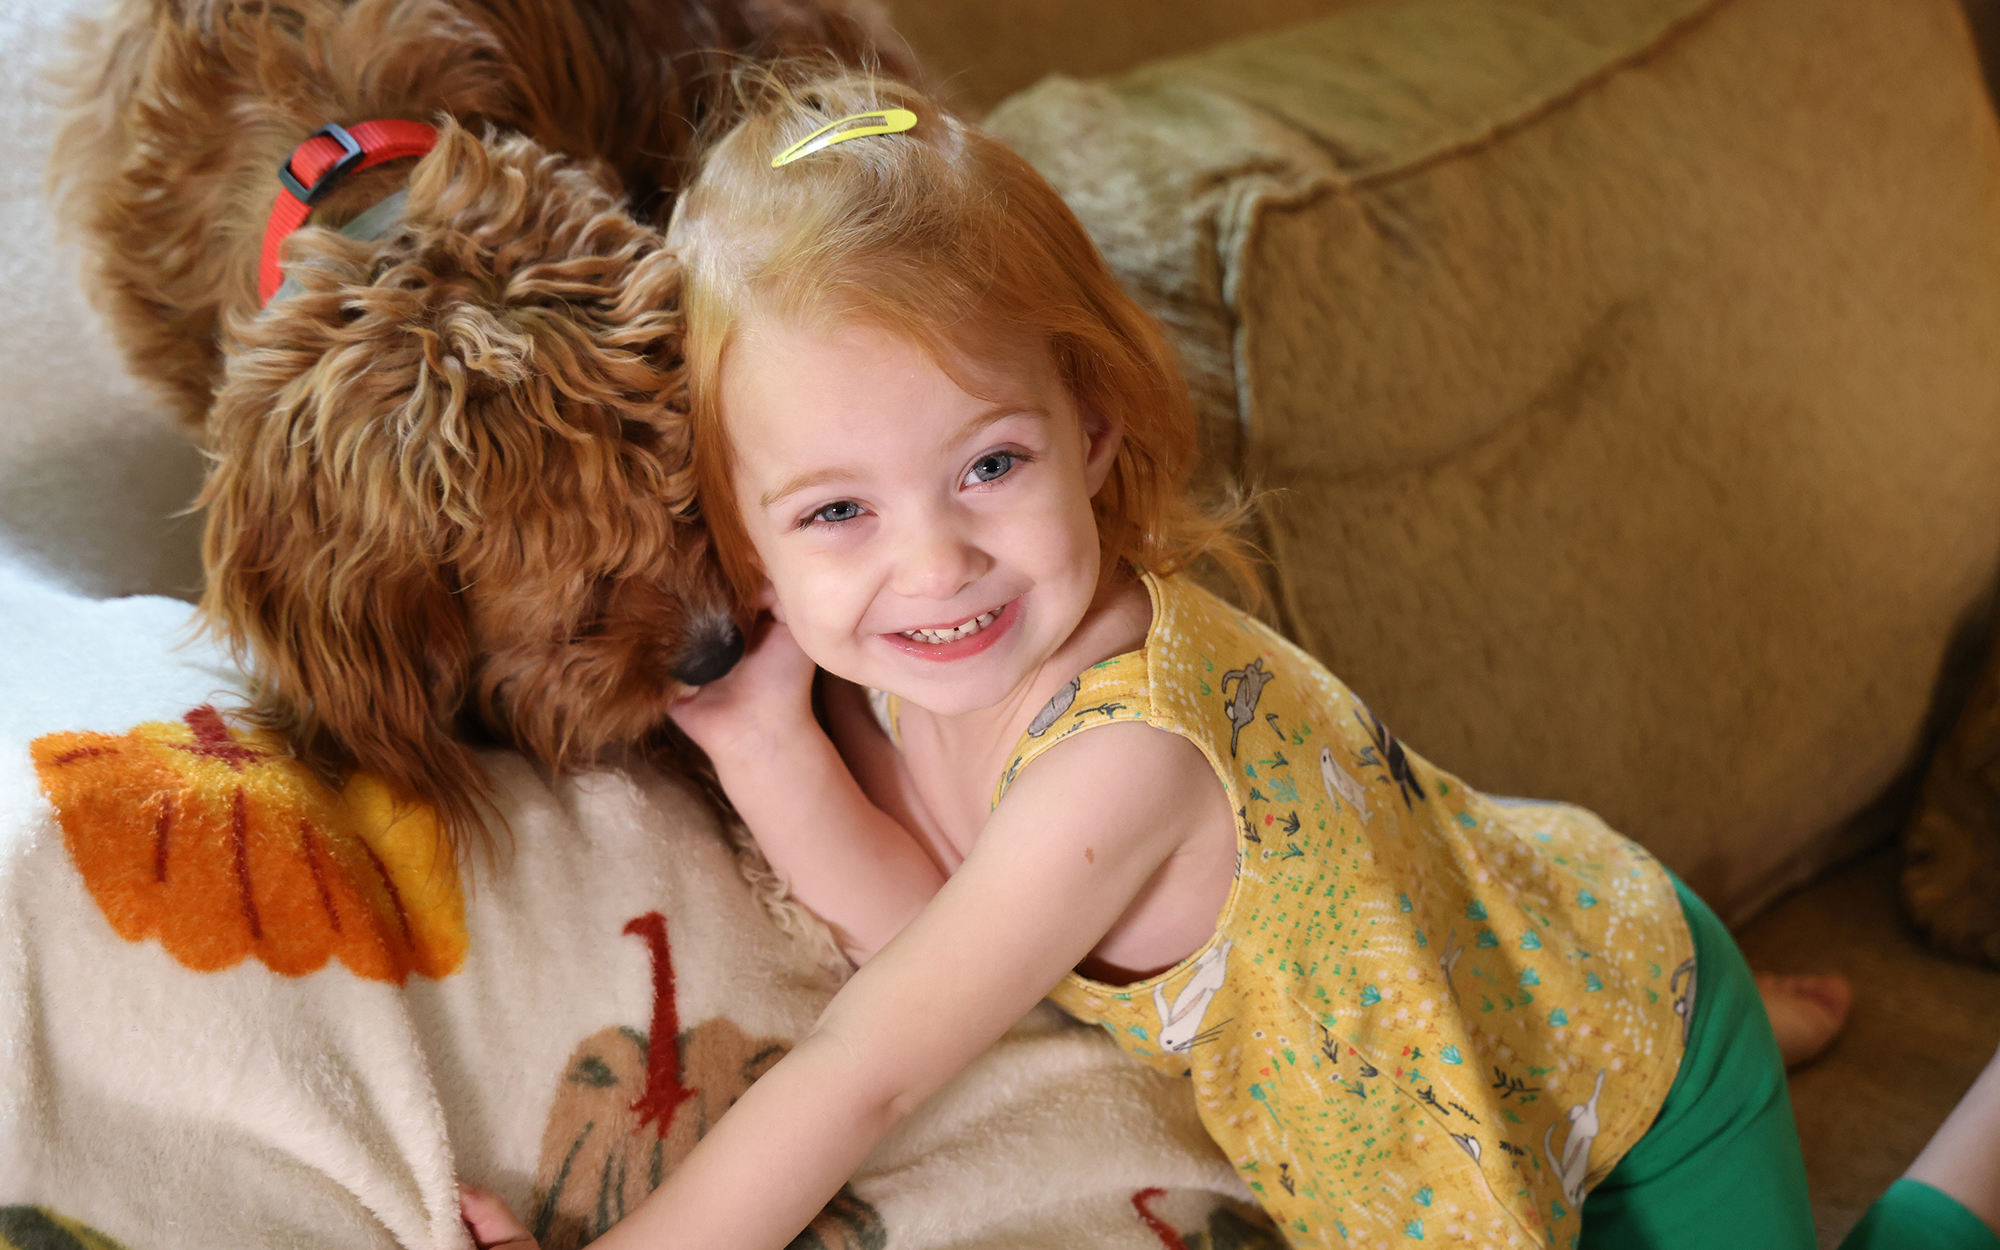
[1183, 678]
[1205, 666]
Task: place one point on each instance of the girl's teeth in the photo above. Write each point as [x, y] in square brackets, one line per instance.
[971, 627]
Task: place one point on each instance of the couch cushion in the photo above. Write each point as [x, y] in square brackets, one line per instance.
[980, 52]
[1622, 372]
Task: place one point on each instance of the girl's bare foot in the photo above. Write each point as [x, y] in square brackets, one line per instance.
[1807, 1012]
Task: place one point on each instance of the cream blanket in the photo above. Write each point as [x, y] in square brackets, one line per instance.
[239, 1009]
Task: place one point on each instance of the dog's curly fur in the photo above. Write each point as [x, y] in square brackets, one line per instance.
[450, 496]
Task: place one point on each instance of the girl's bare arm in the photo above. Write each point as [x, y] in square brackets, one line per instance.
[1079, 835]
[854, 866]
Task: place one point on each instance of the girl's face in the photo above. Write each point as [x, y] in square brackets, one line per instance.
[917, 538]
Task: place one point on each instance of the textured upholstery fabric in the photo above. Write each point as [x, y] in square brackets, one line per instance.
[983, 50]
[1622, 370]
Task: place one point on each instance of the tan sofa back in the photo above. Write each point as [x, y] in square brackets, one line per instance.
[1624, 373]
[982, 51]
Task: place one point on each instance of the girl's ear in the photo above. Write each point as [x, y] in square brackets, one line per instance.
[767, 599]
[1102, 437]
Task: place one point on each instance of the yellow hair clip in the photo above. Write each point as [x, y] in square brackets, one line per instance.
[873, 122]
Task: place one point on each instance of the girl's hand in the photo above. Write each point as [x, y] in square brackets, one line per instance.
[752, 707]
[492, 1224]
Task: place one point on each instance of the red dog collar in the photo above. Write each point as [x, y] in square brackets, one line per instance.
[317, 166]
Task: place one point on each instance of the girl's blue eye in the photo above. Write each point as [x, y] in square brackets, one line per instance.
[992, 466]
[835, 513]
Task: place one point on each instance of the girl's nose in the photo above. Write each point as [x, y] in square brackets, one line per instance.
[938, 559]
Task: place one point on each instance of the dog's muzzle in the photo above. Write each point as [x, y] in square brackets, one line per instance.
[712, 648]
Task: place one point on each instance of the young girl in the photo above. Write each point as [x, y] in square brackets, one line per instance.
[947, 452]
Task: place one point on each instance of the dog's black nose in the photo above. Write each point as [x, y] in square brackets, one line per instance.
[711, 649]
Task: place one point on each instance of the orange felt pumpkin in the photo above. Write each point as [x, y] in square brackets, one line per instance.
[220, 844]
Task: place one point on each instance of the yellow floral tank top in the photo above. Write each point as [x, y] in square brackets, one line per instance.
[1427, 1014]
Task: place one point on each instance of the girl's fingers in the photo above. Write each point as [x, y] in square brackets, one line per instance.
[773, 679]
[493, 1225]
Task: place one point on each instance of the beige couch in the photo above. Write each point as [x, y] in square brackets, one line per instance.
[1624, 375]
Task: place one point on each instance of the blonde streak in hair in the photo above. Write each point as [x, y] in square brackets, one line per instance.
[716, 300]
[706, 329]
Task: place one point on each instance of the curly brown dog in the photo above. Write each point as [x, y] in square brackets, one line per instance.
[449, 498]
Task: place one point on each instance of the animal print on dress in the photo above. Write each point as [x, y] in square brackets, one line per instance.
[1425, 1014]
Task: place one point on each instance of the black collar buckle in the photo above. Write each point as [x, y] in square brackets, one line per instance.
[329, 178]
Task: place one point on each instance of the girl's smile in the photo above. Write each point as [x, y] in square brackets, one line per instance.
[925, 528]
[961, 640]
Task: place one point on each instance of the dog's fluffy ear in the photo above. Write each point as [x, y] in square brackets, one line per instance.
[478, 408]
[347, 629]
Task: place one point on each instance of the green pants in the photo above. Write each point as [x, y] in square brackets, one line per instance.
[1720, 1168]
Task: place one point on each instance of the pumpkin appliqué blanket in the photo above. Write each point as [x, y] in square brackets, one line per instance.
[241, 1006]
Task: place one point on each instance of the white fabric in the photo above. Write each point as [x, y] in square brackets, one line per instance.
[165, 1107]
[91, 468]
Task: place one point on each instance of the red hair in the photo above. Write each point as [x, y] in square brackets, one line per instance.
[945, 236]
